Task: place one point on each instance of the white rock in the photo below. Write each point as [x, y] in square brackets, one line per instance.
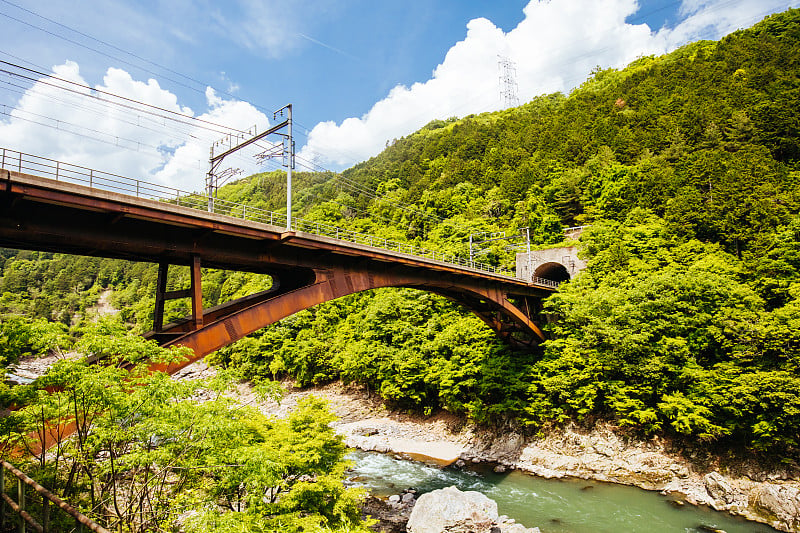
[453, 511]
[450, 510]
[718, 487]
[781, 502]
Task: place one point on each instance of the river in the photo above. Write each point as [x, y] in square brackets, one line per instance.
[554, 505]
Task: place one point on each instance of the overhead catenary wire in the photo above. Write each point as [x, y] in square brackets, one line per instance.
[15, 19]
[126, 102]
[129, 104]
[114, 139]
[171, 115]
[127, 52]
[23, 91]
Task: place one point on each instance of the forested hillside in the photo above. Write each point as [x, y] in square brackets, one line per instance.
[687, 321]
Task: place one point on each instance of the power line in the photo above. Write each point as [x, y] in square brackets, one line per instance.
[143, 59]
[170, 114]
[94, 49]
[130, 104]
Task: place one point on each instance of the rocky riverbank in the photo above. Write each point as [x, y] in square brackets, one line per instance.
[600, 454]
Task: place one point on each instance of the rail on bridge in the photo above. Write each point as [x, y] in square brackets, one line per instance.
[58, 207]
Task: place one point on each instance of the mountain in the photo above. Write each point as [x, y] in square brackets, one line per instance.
[687, 169]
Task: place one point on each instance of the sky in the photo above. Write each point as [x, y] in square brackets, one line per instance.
[358, 73]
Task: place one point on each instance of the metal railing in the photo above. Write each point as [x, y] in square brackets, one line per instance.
[21, 506]
[69, 173]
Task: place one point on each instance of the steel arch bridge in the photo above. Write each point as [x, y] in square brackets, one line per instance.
[80, 215]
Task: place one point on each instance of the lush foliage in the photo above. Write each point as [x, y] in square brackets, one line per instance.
[664, 334]
[148, 454]
[413, 348]
[686, 323]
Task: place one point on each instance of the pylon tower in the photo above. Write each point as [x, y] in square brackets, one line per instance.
[508, 82]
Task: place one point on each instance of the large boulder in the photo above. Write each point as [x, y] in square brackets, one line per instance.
[453, 511]
[719, 488]
[450, 510]
[780, 503]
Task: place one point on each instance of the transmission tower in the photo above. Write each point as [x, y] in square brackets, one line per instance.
[508, 82]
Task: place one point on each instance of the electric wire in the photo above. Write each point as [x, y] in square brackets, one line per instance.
[131, 102]
[352, 186]
[92, 49]
[143, 59]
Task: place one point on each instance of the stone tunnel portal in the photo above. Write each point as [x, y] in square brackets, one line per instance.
[552, 271]
[556, 264]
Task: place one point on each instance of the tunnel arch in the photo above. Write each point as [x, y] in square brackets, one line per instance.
[552, 271]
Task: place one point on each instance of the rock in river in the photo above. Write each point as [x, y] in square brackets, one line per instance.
[450, 510]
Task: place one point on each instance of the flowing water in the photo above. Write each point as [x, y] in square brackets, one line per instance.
[555, 506]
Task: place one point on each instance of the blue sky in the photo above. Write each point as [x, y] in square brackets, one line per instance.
[358, 72]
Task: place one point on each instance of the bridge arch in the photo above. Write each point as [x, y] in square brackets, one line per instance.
[229, 322]
[59, 216]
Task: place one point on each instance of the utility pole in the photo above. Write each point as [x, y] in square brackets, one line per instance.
[501, 236]
[508, 82]
[285, 150]
[288, 162]
[530, 264]
[470, 249]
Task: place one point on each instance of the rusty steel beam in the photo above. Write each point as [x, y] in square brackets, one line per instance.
[147, 230]
[488, 301]
[197, 293]
[161, 291]
[306, 269]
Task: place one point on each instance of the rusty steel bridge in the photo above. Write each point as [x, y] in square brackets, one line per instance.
[52, 206]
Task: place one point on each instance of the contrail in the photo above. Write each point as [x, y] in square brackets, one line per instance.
[329, 47]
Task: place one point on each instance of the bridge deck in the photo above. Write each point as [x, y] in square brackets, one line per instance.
[53, 215]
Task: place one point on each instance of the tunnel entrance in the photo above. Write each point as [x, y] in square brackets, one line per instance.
[552, 271]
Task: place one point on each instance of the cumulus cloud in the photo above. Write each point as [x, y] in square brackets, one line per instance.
[554, 47]
[77, 125]
[711, 19]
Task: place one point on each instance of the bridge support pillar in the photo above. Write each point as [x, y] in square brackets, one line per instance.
[195, 292]
[161, 290]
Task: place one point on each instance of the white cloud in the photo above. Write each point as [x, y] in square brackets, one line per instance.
[75, 126]
[555, 47]
[711, 19]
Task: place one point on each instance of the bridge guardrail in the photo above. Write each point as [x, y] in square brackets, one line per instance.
[70, 173]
